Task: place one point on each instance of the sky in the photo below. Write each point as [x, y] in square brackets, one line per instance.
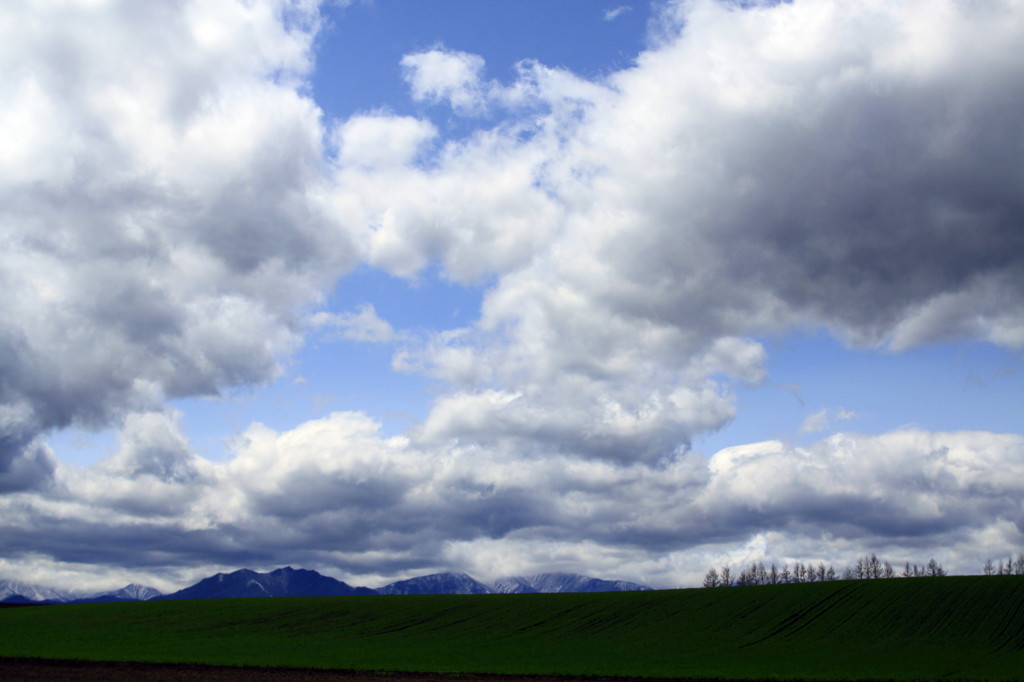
[381, 288]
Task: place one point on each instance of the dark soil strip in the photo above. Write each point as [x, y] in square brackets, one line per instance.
[34, 669]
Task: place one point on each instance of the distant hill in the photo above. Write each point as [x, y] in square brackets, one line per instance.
[550, 583]
[284, 582]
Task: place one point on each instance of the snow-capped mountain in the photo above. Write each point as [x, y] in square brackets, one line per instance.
[131, 592]
[14, 588]
[513, 585]
[16, 591]
[284, 582]
[136, 592]
[563, 582]
[437, 583]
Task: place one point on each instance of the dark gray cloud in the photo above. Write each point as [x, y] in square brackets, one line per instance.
[863, 182]
[25, 464]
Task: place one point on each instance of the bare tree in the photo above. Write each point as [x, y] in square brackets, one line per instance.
[1018, 565]
[874, 567]
[743, 579]
[748, 576]
[868, 567]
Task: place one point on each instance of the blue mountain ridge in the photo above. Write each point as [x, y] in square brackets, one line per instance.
[283, 582]
[290, 582]
[438, 583]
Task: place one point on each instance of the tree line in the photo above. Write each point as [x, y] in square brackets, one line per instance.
[866, 568]
[1011, 567]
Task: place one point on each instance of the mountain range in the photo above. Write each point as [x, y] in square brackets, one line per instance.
[563, 582]
[292, 582]
[16, 592]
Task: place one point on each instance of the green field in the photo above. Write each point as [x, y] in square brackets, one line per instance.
[921, 628]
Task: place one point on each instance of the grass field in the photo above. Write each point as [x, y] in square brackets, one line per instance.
[921, 628]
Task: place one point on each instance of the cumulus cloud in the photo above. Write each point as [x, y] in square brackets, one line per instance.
[815, 164]
[446, 75]
[363, 325]
[161, 216]
[822, 419]
[333, 493]
[901, 486]
[763, 168]
[382, 140]
[152, 445]
[616, 12]
[815, 422]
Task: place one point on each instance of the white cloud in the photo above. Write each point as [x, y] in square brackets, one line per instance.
[822, 419]
[815, 422]
[382, 140]
[616, 12]
[446, 75]
[152, 445]
[482, 213]
[363, 325]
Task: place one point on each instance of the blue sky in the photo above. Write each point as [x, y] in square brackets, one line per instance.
[387, 287]
[588, 38]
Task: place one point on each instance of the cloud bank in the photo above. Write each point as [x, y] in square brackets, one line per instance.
[175, 208]
[163, 219]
